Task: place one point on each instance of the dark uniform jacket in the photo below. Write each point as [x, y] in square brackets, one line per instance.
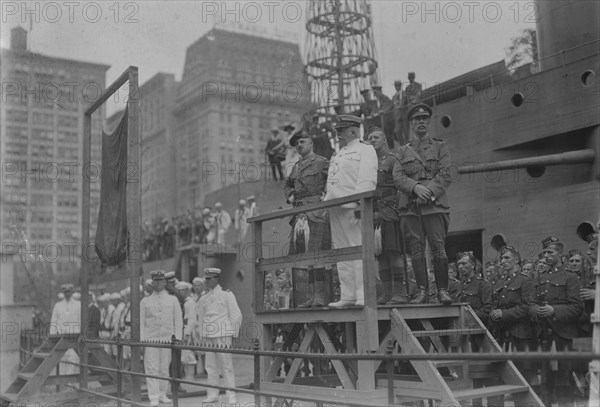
[307, 182]
[513, 296]
[275, 150]
[560, 289]
[478, 293]
[425, 162]
[385, 208]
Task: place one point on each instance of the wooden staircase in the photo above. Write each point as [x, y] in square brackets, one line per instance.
[461, 382]
[411, 330]
[31, 384]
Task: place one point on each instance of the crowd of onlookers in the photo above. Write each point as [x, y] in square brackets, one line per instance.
[162, 237]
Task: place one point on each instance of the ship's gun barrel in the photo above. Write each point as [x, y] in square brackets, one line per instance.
[571, 157]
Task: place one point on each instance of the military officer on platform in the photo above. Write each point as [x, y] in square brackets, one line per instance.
[555, 310]
[351, 171]
[219, 319]
[160, 318]
[391, 264]
[422, 175]
[306, 185]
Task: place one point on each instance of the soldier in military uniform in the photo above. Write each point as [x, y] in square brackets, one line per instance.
[387, 221]
[306, 185]
[412, 93]
[160, 318]
[384, 114]
[556, 311]
[219, 319]
[422, 175]
[367, 110]
[352, 170]
[473, 288]
[511, 298]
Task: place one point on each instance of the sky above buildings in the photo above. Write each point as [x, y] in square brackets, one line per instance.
[437, 40]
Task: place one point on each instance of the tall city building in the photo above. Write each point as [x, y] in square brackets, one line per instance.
[235, 88]
[41, 149]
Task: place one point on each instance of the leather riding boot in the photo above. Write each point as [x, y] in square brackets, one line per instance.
[444, 297]
[383, 286]
[440, 268]
[319, 296]
[421, 297]
[398, 289]
[308, 303]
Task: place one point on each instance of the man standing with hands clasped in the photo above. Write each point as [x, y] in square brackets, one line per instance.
[352, 170]
[219, 318]
[423, 177]
[160, 318]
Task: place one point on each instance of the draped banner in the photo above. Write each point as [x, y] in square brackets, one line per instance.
[111, 233]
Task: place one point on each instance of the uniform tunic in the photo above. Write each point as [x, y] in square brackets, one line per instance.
[478, 293]
[66, 319]
[425, 161]
[386, 215]
[560, 289]
[219, 319]
[160, 318]
[306, 184]
[352, 170]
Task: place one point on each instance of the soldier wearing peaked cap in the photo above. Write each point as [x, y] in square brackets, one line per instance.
[422, 175]
[219, 320]
[556, 312]
[306, 185]
[160, 318]
[352, 170]
[412, 93]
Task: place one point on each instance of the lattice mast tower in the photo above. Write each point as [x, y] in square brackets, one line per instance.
[339, 53]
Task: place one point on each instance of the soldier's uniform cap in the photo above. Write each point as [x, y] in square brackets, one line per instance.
[587, 232]
[242, 202]
[103, 298]
[541, 256]
[297, 136]
[67, 287]
[347, 120]
[376, 87]
[212, 272]
[170, 275]
[205, 211]
[275, 130]
[373, 129]
[420, 109]
[115, 296]
[251, 198]
[157, 275]
[183, 285]
[510, 249]
[550, 241]
[198, 280]
[397, 82]
[574, 252]
[364, 91]
[218, 205]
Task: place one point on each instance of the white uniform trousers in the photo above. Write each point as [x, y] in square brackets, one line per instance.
[345, 233]
[222, 362]
[156, 362]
